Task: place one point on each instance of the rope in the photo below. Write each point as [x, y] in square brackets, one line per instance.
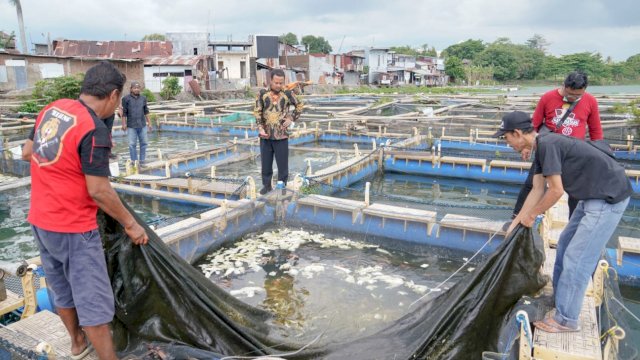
[437, 288]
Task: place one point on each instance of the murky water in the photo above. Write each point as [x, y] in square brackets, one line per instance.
[16, 240]
[315, 282]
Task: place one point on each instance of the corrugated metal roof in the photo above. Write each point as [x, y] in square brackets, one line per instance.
[183, 60]
[113, 49]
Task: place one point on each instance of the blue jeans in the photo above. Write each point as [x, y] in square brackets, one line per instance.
[579, 249]
[135, 135]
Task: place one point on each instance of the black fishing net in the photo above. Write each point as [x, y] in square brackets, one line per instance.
[165, 308]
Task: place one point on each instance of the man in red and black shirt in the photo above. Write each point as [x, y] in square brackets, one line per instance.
[69, 150]
[550, 111]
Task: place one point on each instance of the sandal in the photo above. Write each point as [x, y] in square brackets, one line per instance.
[550, 325]
[83, 353]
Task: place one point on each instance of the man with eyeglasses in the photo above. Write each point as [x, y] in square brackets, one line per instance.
[551, 116]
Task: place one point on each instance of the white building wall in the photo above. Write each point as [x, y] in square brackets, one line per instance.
[154, 83]
[377, 60]
[231, 61]
[318, 67]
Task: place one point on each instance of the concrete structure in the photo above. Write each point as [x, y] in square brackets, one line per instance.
[378, 59]
[184, 67]
[189, 43]
[18, 72]
[231, 64]
[318, 68]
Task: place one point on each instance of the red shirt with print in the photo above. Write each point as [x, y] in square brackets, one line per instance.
[551, 109]
[69, 141]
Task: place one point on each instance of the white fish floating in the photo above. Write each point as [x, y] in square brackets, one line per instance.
[249, 291]
[424, 266]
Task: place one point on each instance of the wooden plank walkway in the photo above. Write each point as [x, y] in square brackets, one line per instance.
[44, 326]
[580, 345]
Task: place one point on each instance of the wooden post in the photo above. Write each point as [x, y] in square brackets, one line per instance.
[195, 144]
[213, 171]
[137, 167]
[598, 282]
[29, 292]
[379, 130]
[251, 188]
[167, 169]
[367, 188]
[127, 167]
[415, 131]
[329, 126]
[309, 171]
[373, 141]
[190, 185]
[159, 154]
[246, 134]
[385, 130]
[429, 134]
[338, 160]
[304, 125]
[185, 117]
[526, 336]
[165, 117]
[355, 146]
[433, 156]
[442, 131]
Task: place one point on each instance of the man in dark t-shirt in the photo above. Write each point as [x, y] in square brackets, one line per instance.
[597, 181]
[68, 150]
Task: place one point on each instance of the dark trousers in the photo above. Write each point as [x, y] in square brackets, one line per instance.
[279, 149]
[526, 189]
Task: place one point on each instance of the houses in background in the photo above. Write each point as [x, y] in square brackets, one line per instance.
[216, 65]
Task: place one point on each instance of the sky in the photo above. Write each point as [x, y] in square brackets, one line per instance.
[610, 27]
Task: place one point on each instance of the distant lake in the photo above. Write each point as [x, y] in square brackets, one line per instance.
[595, 89]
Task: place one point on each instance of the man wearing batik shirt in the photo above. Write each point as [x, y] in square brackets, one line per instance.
[273, 119]
[549, 112]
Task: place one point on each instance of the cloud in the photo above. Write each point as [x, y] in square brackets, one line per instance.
[611, 28]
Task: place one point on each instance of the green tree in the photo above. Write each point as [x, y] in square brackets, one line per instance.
[424, 50]
[49, 90]
[23, 37]
[289, 38]
[503, 60]
[8, 41]
[465, 50]
[632, 66]
[538, 42]
[170, 88]
[454, 68]
[316, 44]
[154, 37]
[590, 63]
[478, 74]
[149, 95]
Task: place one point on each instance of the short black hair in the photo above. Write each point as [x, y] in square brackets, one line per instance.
[101, 79]
[576, 80]
[277, 72]
[524, 131]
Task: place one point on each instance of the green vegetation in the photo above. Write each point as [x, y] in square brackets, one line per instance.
[170, 88]
[289, 39]
[408, 90]
[383, 100]
[316, 44]
[149, 95]
[49, 90]
[154, 37]
[424, 50]
[505, 61]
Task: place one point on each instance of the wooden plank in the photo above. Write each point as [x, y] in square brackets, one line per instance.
[11, 303]
[14, 184]
[522, 165]
[218, 187]
[629, 244]
[329, 202]
[402, 213]
[580, 345]
[462, 222]
[180, 225]
[464, 161]
[47, 326]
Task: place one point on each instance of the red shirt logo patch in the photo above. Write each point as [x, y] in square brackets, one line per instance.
[47, 141]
